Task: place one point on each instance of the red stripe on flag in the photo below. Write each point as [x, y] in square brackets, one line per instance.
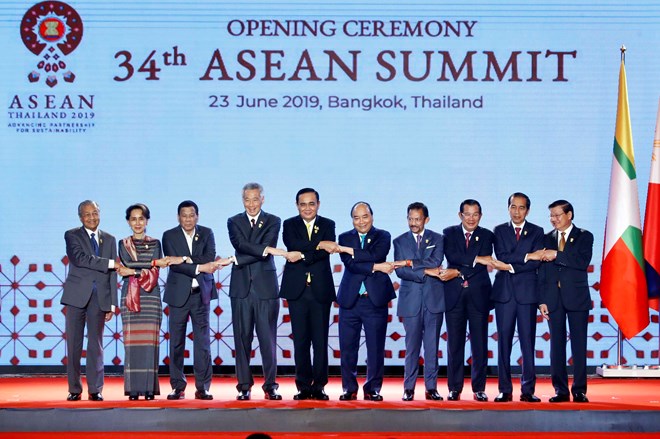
[623, 290]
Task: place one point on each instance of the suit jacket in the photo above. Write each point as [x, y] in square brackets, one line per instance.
[85, 268]
[569, 269]
[416, 287]
[316, 262]
[359, 268]
[253, 269]
[521, 285]
[462, 258]
[179, 277]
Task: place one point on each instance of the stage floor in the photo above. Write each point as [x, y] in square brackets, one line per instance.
[38, 404]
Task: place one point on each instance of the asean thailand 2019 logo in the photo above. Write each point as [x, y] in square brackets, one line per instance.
[51, 30]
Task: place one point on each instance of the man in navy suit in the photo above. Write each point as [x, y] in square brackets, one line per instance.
[364, 293]
[189, 290]
[516, 297]
[253, 290]
[418, 254]
[565, 294]
[309, 289]
[90, 296]
[468, 249]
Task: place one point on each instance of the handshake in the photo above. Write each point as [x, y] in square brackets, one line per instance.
[213, 266]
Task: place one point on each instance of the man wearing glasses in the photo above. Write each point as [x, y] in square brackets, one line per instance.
[565, 295]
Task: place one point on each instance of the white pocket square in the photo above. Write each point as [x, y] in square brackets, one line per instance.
[430, 246]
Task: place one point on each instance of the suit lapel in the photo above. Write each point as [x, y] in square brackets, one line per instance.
[572, 236]
[555, 239]
[195, 240]
[85, 237]
[99, 237]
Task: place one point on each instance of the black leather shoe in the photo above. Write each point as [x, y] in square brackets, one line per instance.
[320, 395]
[580, 397]
[433, 395]
[149, 396]
[480, 396]
[176, 394]
[408, 395]
[203, 394]
[454, 395]
[272, 395]
[96, 396]
[133, 397]
[503, 397]
[348, 396]
[529, 397]
[243, 395]
[560, 398]
[302, 395]
[373, 396]
[73, 396]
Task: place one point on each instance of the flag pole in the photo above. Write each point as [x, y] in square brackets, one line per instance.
[623, 286]
[619, 334]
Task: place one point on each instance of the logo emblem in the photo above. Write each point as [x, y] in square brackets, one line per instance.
[51, 30]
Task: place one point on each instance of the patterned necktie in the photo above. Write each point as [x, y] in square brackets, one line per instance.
[309, 231]
[95, 246]
[467, 239]
[253, 221]
[562, 241]
[517, 233]
[419, 241]
[363, 287]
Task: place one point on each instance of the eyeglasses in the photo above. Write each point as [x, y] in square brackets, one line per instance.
[559, 215]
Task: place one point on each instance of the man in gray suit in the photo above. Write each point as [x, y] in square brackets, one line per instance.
[90, 296]
[418, 254]
[253, 290]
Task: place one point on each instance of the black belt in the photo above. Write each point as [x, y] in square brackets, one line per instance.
[195, 290]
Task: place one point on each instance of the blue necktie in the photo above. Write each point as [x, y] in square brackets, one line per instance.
[363, 288]
[95, 246]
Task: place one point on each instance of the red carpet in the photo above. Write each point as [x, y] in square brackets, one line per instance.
[51, 392]
[35, 407]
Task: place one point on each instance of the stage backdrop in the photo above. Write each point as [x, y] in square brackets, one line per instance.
[383, 101]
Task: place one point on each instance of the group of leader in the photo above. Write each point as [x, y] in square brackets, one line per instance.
[535, 272]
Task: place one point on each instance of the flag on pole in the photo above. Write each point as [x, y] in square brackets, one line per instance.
[652, 222]
[622, 281]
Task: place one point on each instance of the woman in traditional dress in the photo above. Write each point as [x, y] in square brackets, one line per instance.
[141, 308]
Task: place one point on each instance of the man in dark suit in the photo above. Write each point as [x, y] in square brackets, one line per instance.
[468, 249]
[309, 289]
[418, 254]
[253, 290]
[364, 293]
[565, 294]
[189, 290]
[515, 293]
[90, 296]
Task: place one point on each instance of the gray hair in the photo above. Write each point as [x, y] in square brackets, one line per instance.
[252, 186]
[82, 205]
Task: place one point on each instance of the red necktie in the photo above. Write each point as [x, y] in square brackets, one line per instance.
[517, 233]
[467, 239]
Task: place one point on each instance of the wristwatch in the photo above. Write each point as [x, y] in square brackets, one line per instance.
[185, 259]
